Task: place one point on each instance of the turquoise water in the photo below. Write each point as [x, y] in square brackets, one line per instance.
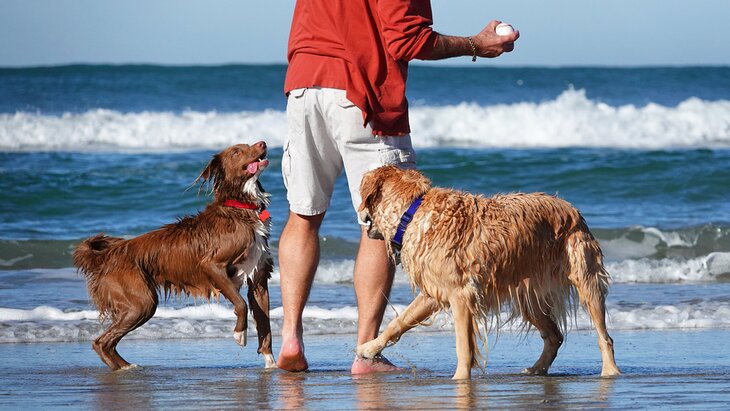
[243, 87]
[54, 199]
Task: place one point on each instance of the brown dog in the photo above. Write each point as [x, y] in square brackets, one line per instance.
[529, 252]
[211, 253]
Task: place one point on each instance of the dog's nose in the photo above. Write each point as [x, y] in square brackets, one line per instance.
[261, 145]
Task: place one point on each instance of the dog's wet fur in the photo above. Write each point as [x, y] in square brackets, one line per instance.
[475, 255]
[214, 252]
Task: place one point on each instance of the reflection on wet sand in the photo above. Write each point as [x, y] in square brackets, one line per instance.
[290, 387]
[205, 374]
[155, 387]
[388, 392]
[132, 388]
[256, 389]
[144, 388]
[464, 395]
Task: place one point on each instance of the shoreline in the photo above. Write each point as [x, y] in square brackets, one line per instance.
[681, 369]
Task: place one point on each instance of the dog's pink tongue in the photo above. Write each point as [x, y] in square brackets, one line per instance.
[254, 167]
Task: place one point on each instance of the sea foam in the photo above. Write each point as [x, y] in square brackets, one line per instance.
[569, 120]
[710, 268]
[700, 269]
[47, 324]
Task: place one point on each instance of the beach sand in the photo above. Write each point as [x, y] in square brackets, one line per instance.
[661, 369]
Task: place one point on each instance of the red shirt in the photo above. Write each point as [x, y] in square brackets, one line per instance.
[363, 47]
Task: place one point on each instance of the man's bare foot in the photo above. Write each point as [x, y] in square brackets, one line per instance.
[372, 365]
[291, 356]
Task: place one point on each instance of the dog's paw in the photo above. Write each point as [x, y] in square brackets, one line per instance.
[269, 361]
[462, 375]
[534, 371]
[241, 337]
[610, 372]
[370, 349]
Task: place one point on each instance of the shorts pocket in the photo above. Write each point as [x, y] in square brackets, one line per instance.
[297, 92]
[404, 157]
[343, 102]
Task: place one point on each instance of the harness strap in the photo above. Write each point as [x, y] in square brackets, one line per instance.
[397, 240]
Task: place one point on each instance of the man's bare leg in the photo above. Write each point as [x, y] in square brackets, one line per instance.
[298, 260]
[373, 279]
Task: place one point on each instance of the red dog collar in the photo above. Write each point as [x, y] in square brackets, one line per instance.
[263, 214]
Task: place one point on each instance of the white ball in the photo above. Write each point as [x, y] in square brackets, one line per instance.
[504, 29]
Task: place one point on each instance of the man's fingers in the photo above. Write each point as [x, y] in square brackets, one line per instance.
[492, 25]
[511, 38]
[509, 41]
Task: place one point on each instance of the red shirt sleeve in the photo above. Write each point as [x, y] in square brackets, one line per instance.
[406, 28]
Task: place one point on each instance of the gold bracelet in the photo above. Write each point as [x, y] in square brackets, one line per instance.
[473, 49]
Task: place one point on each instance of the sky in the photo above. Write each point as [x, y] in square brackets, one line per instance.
[208, 32]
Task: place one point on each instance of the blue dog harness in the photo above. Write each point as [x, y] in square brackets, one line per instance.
[397, 241]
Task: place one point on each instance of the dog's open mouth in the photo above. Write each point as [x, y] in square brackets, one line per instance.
[255, 166]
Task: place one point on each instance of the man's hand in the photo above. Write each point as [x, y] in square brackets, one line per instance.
[489, 44]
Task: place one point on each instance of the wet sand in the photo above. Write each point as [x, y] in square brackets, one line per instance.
[667, 369]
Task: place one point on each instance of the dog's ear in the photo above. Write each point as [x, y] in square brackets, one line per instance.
[369, 189]
[213, 173]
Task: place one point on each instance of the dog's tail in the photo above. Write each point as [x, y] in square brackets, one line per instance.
[89, 258]
[591, 279]
[587, 272]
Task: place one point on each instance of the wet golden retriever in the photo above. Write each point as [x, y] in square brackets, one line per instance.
[211, 253]
[477, 255]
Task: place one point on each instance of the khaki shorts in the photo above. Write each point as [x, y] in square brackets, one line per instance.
[325, 136]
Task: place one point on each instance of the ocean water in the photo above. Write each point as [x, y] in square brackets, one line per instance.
[644, 154]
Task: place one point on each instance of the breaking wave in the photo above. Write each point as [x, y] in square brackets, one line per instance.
[569, 120]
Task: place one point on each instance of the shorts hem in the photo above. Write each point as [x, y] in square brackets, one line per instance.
[306, 211]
